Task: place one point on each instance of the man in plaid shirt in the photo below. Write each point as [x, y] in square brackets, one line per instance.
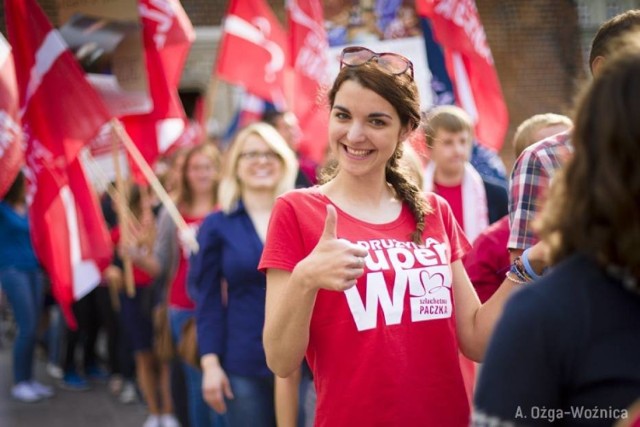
[534, 169]
[530, 180]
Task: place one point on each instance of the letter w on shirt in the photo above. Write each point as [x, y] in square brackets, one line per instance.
[365, 316]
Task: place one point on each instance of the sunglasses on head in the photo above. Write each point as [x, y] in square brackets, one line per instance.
[355, 56]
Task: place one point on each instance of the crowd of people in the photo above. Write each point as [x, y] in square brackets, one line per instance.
[369, 291]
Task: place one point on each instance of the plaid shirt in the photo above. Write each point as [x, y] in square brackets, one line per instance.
[529, 182]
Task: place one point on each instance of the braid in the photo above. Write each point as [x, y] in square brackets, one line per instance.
[408, 192]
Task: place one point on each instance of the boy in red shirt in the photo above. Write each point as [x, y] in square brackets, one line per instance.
[475, 201]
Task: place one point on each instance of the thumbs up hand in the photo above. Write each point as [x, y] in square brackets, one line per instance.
[334, 264]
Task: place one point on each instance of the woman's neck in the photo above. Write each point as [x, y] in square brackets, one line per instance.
[448, 179]
[200, 206]
[367, 192]
[369, 200]
[258, 201]
[259, 205]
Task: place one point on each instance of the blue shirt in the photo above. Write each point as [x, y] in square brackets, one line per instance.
[565, 343]
[488, 164]
[16, 249]
[230, 249]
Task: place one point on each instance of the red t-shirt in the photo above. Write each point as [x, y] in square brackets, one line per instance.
[453, 195]
[384, 352]
[178, 296]
[140, 277]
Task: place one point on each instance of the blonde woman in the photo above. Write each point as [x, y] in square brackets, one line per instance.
[260, 167]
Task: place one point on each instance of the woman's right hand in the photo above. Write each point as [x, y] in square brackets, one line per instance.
[334, 264]
[215, 384]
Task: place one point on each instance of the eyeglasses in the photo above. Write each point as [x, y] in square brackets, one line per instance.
[354, 56]
[258, 155]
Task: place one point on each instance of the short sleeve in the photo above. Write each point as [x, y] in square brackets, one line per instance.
[528, 180]
[283, 248]
[457, 239]
[164, 247]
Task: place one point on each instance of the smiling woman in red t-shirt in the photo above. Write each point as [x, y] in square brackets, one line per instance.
[374, 292]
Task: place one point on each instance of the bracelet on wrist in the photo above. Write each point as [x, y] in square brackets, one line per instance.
[514, 278]
[517, 272]
[527, 265]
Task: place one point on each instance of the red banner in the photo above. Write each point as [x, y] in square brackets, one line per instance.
[457, 27]
[61, 113]
[168, 36]
[11, 154]
[253, 50]
[309, 46]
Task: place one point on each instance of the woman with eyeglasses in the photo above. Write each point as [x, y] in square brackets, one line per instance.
[374, 290]
[229, 291]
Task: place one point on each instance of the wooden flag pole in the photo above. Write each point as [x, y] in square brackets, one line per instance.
[122, 209]
[165, 199]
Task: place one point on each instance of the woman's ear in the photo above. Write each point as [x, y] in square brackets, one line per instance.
[405, 132]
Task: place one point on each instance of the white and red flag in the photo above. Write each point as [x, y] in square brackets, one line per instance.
[253, 50]
[308, 46]
[457, 27]
[60, 113]
[11, 150]
[168, 35]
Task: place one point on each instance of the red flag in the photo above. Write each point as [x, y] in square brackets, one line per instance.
[253, 50]
[168, 36]
[11, 151]
[458, 29]
[308, 46]
[60, 113]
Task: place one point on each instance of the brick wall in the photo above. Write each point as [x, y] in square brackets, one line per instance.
[211, 12]
[536, 49]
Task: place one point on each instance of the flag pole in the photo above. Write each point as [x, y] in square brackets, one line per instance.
[152, 179]
[123, 219]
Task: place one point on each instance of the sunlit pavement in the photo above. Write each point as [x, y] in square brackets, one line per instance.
[92, 408]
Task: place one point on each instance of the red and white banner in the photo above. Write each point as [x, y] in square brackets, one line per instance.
[253, 50]
[11, 150]
[60, 113]
[308, 47]
[457, 27]
[168, 35]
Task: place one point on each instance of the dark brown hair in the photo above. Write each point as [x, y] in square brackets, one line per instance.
[594, 203]
[402, 93]
[612, 29]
